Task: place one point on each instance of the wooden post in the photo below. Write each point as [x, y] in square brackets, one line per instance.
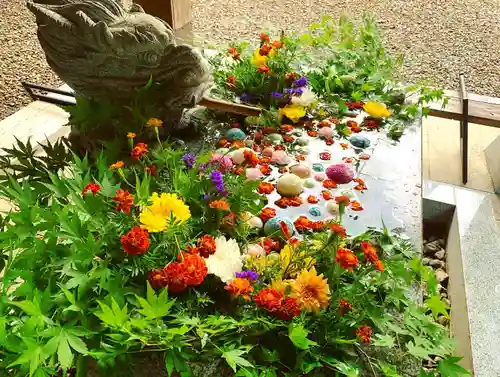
[177, 13]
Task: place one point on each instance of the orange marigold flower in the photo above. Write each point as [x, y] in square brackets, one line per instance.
[124, 201]
[292, 76]
[139, 151]
[334, 121]
[155, 123]
[232, 50]
[347, 259]
[347, 160]
[356, 129]
[344, 145]
[264, 37]
[288, 139]
[345, 306]
[237, 144]
[265, 160]
[268, 244]
[329, 141]
[283, 169]
[220, 205]
[263, 68]
[324, 123]
[379, 265]
[223, 142]
[267, 214]
[229, 221]
[265, 169]
[239, 171]
[286, 230]
[312, 133]
[239, 287]
[317, 226]
[302, 224]
[265, 50]
[294, 201]
[288, 309]
[364, 333]
[327, 195]
[300, 157]
[151, 169]
[231, 81]
[372, 124]
[175, 277]
[339, 230]
[131, 135]
[277, 44]
[268, 299]
[94, 188]
[311, 199]
[352, 123]
[329, 184]
[342, 200]
[265, 188]
[117, 165]
[279, 147]
[281, 203]
[136, 241]
[158, 279]
[364, 156]
[195, 269]
[206, 246]
[356, 206]
[369, 251]
[251, 158]
[286, 128]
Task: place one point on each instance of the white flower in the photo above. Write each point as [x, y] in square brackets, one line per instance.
[305, 99]
[227, 259]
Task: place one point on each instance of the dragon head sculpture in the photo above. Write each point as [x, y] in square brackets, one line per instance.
[101, 50]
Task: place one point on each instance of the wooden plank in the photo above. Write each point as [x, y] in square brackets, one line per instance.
[177, 13]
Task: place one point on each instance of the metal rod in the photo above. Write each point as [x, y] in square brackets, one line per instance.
[29, 86]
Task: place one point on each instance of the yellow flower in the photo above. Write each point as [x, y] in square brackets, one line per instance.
[154, 122]
[280, 286]
[311, 291]
[258, 59]
[293, 112]
[163, 209]
[377, 110]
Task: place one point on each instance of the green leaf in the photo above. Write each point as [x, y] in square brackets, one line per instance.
[423, 373]
[437, 306]
[298, 336]
[234, 359]
[155, 307]
[64, 354]
[417, 351]
[114, 316]
[388, 370]
[449, 367]
[384, 341]
[76, 343]
[169, 362]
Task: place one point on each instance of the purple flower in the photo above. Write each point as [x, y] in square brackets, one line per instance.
[250, 275]
[245, 97]
[218, 180]
[189, 160]
[276, 95]
[300, 82]
[206, 197]
[294, 91]
[221, 162]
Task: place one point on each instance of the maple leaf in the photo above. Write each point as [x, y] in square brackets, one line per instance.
[449, 368]
[437, 306]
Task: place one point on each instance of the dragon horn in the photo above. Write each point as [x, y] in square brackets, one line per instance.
[45, 15]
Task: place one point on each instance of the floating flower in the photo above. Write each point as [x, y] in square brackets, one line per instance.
[264, 160]
[250, 158]
[344, 145]
[139, 150]
[206, 246]
[364, 333]
[347, 259]
[154, 123]
[364, 156]
[345, 306]
[329, 141]
[263, 68]
[124, 201]
[338, 230]
[312, 133]
[288, 139]
[347, 160]
[117, 165]
[356, 206]
[377, 110]
[327, 195]
[220, 205]
[266, 170]
[311, 199]
[372, 124]
[195, 269]
[311, 291]
[265, 188]
[227, 259]
[131, 135]
[94, 188]
[268, 299]
[300, 157]
[164, 209]
[354, 105]
[342, 199]
[136, 241]
[239, 287]
[293, 112]
[329, 184]
[302, 224]
[267, 214]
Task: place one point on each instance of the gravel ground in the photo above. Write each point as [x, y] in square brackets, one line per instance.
[439, 39]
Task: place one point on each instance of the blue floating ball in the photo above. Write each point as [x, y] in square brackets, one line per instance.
[235, 134]
[273, 227]
[315, 211]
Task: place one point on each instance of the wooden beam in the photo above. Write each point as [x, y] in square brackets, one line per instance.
[177, 13]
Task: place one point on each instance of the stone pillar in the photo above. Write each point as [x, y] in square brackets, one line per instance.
[177, 13]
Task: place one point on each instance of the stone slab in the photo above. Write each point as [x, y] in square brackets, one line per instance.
[492, 155]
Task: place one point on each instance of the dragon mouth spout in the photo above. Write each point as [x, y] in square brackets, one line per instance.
[99, 49]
